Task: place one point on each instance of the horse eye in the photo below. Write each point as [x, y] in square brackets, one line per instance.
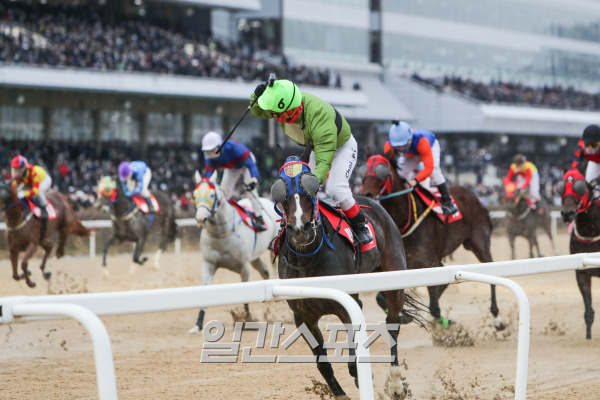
[580, 187]
[560, 188]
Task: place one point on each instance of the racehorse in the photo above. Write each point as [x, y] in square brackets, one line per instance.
[426, 239]
[581, 206]
[312, 246]
[228, 239]
[523, 220]
[131, 224]
[24, 228]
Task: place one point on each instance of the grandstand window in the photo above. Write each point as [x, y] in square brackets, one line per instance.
[72, 124]
[201, 124]
[120, 125]
[165, 128]
[21, 123]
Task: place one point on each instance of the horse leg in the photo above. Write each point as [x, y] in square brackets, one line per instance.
[395, 302]
[434, 306]
[533, 243]
[584, 281]
[320, 354]
[261, 267]
[137, 252]
[208, 272]
[14, 261]
[511, 241]
[108, 243]
[62, 241]
[245, 275]
[47, 246]
[28, 253]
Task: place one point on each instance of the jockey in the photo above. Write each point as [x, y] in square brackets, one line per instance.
[415, 146]
[305, 117]
[528, 177]
[589, 148]
[35, 177]
[135, 177]
[236, 160]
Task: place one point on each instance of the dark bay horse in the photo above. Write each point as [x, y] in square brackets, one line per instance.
[581, 206]
[132, 225]
[312, 248]
[24, 229]
[426, 239]
[523, 221]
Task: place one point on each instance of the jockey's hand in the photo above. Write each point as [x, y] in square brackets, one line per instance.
[252, 185]
[260, 89]
[20, 194]
[413, 183]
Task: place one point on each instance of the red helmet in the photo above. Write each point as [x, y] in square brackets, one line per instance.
[18, 162]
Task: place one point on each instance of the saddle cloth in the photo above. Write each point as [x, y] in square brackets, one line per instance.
[50, 210]
[246, 214]
[432, 195]
[339, 224]
[143, 206]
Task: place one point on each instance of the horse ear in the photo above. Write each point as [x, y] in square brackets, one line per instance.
[279, 158]
[389, 154]
[213, 177]
[197, 177]
[305, 156]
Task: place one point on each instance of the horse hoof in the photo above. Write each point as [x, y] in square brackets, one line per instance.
[31, 284]
[500, 327]
[47, 275]
[156, 267]
[17, 277]
[143, 260]
[194, 330]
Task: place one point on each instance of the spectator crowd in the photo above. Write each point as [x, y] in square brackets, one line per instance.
[63, 36]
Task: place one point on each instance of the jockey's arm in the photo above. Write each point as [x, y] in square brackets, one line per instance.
[528, 175]
[324, 140]
[424, 149]
[578, 157]
[509, 176]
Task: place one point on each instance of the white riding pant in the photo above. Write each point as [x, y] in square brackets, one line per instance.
[44, 186]
[406, 166]
[146, 182]
[337, 185]
[592, 171]
[534, 185]
[231, 177]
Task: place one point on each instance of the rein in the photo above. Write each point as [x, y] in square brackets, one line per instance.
[26, 216]
[396, 194]
[418, 221]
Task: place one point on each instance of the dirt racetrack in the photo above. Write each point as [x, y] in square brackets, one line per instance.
[155, 357]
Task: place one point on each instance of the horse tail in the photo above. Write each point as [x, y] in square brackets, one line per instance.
[77, 228]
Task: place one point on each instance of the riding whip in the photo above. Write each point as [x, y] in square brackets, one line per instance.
[272, 78]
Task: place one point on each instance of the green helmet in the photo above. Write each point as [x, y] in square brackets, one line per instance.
[282, 96]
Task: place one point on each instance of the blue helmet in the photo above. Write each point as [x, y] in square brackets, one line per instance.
[124, 170]
[400, 133]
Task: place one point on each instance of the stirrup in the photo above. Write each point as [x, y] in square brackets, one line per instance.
[449, 209]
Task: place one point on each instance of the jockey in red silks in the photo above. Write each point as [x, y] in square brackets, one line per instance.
[588, 149]
[527, 177]
[410, 148]
[236, 160]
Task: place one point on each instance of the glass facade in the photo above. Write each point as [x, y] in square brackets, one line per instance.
[327, 42]
[201, 124]
[72, 124]
[21, 123]
[165, 128]
[120, 125]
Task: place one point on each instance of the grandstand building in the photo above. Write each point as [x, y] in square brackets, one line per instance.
[173, 79]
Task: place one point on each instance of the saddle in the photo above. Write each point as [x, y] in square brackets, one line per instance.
[143, 206]
[50, 210]
[432, 198]
[246, 213]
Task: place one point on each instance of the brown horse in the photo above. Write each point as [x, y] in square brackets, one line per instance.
[426, 239]
[581, 205]
[24, 228]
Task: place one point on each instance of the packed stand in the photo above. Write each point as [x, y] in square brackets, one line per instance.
[515, 93]
[98, 39]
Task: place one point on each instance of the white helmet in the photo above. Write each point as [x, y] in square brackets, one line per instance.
[211, 141]
[400, 133]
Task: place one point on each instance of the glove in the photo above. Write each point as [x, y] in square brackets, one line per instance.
[251, 186]
[260, 89]
[20, 194]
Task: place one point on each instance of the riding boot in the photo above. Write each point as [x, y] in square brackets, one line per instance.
[149, 203]
[447, 206]
[359, 226]
[43, 222]
[259, 223]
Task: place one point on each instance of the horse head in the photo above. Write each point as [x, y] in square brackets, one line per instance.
[6, 195]
[207, 197]
[296, 192]
[380, 178]
[574, 193]
[106, 192]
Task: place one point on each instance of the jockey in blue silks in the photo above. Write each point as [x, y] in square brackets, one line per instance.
[236, 160]
[135, 177]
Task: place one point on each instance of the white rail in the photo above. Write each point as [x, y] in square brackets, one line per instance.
[133, 302]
